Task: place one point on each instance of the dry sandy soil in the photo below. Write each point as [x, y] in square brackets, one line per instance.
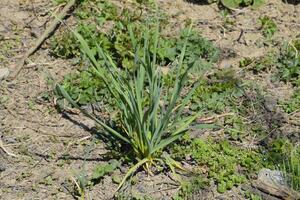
[49, 146]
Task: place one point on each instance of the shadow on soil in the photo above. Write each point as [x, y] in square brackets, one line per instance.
[199, 2]
[294, 2]
[113, 146]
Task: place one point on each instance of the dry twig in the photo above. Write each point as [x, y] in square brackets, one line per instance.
[7, 152]
[48, 32]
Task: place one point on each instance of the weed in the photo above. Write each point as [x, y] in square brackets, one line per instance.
[85, 87]
[268, 26]
[286, 156]
[215, 93]
[80, 181]
[148, 121]
[226, 164]
[199, 51]
[66, 45]
[293, 104]
[101, 170]
[289, 63]
[291, 168]
[224, 92]
[97, 10]
[188, 188]
[284, 64]
[228, 21]
[252, 196]
[116, 41]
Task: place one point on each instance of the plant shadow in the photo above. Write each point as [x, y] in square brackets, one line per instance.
[198, 2]
[115, 148]
[294, 2]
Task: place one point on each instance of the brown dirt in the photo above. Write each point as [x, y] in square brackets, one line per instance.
[50, 148]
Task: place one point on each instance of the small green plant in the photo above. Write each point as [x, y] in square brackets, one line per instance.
[85, 87]
[286, 156]
[66, 45]
[200, 52]
[227, 165]
[101, 170]
[252, 196]
[150, 120]
[268, 26]
[189, 187]
[291, 168]
[80, 180]
[217, 92]
[97, 11]
[293, 104]
[289, 63]
[116, 41]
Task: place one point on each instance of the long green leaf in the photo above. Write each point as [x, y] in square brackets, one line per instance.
[132, 170]
[62, 91]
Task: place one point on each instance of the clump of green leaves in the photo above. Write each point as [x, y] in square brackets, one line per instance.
[216, 93]
[291, 168]
[293, 104]
[90, 15]
[96, 11]
[199, 51]
[101, 170]
[252, 196]
[227, 165]
[82, 181]
[150, 120]
[224, 92]
[67, 46]
[116, 41]
[189, 187]
[285, 63]
[289, 63]
[262, 64]
[286, 156]
[268, 26]
[85, 88]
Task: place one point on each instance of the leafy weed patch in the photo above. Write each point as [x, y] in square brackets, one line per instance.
[268, 26]
[227, 165]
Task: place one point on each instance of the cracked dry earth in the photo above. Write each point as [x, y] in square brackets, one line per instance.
[49, 147]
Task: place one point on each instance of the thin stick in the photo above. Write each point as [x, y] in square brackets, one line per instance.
[3, 148]
[211, 119]
[48, 32]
